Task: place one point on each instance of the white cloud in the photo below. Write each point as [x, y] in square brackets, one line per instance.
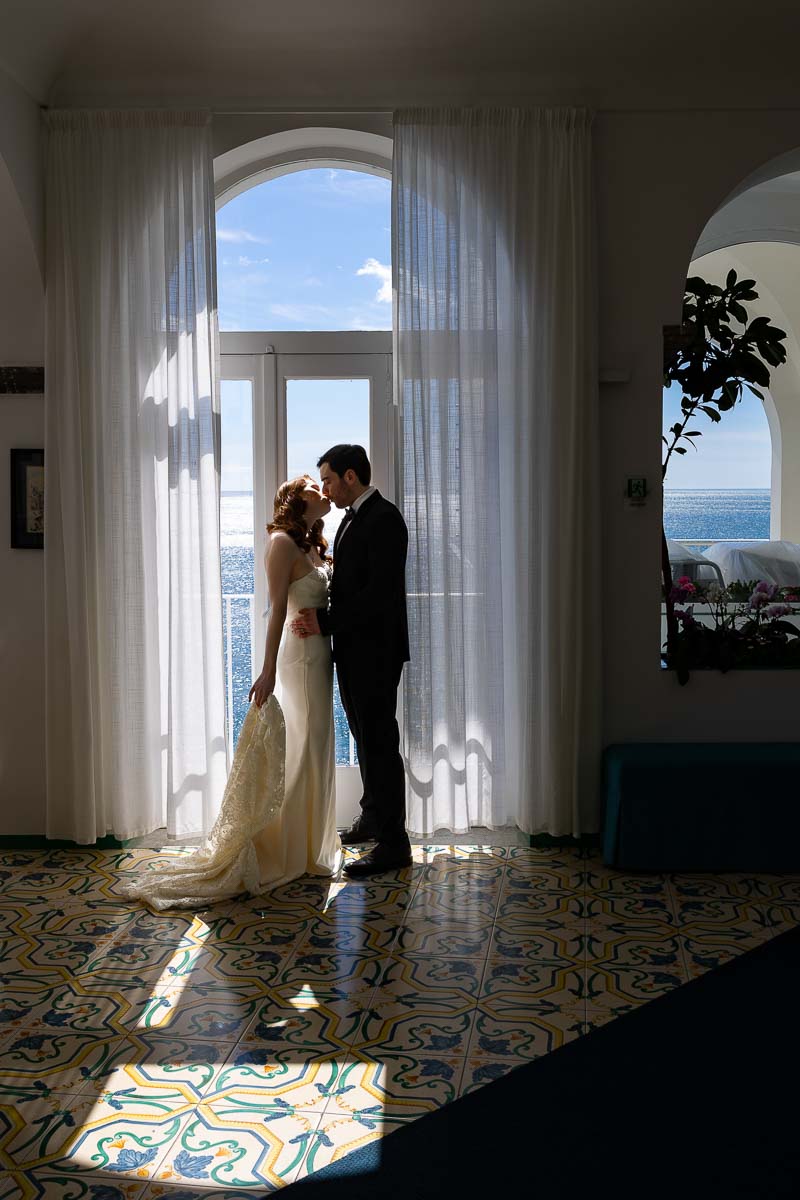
[384, 273]
[358, 186]
[244, 261]
[299, 312]
[240, 235]
[312, 281]
[364, 326]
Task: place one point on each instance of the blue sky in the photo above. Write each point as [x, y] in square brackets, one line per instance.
[736, 453]
[310, 250]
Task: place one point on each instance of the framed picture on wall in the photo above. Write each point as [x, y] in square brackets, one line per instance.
[27, 499]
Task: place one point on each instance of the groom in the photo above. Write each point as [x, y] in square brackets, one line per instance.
[368, 623]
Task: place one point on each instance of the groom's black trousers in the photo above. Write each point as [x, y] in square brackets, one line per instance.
[369, 697]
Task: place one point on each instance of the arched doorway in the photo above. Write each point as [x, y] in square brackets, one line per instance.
[741, 507]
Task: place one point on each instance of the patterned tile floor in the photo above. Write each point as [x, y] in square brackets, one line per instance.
[208, 1054]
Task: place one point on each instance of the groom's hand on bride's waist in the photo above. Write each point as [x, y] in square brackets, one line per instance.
[305, 623]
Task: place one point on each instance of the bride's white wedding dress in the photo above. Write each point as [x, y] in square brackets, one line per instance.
[278, 818]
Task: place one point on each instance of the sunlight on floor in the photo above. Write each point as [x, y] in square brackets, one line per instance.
[205, 1054]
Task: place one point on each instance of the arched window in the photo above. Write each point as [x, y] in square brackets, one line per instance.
[305, 309]
[309, 250]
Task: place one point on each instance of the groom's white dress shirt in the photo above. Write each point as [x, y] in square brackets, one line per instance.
[356, 505]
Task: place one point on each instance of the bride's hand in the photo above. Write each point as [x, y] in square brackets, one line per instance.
[263, 688]
[305, 623]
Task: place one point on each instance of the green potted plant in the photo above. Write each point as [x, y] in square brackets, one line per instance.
[719, 353]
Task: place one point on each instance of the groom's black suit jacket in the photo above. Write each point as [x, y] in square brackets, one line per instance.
[367, 616]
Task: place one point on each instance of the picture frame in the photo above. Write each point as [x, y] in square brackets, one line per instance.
[27, 499]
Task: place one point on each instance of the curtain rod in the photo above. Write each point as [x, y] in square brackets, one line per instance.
[291, 112]
[388, 112]
[288, 112]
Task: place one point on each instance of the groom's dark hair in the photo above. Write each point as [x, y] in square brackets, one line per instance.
[345, 457]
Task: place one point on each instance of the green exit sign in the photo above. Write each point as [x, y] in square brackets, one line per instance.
[636, 489]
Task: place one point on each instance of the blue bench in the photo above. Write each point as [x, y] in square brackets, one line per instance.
[702, 806]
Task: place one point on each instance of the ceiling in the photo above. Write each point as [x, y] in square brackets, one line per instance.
[386, 53]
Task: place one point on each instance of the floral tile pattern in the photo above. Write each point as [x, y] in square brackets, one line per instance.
[397, 1087]
[216, 1014]
[308, 1018]
[76, 1135]
[66, 1061]
[149, 1063]
[241, 1138]
[338, 1136]
[480, 1071]
[231, 1050]
[45, 1184]
[301, 1079]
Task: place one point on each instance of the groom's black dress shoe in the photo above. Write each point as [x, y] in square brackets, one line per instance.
[382, 858]
[356, 835]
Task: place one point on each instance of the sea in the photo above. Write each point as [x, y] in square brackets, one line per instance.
[716, 515]
[697, 514]
[236, 557]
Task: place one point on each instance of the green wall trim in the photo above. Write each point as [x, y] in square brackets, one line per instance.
[543, 841]
[24, 841]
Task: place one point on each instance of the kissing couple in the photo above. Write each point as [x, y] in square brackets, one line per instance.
[278, 814]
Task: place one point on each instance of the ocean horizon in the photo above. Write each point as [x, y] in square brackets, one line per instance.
[699, 513]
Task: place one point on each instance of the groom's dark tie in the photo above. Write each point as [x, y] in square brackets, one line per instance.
[349, 513]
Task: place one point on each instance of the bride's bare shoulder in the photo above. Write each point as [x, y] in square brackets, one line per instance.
[280, 542]
[282, 550]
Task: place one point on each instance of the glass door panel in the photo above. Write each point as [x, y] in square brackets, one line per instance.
[280, 410]
[237, 527]
[330, 398]
[320, 413]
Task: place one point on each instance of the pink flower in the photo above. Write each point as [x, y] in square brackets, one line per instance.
[777, 610]
[682, 590]
[762, 593]
[685, 616]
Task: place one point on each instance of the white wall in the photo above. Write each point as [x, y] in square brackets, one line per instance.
[660, 177]
[21, 150]
[22, 790]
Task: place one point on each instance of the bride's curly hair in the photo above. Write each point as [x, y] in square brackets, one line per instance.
[288, 515]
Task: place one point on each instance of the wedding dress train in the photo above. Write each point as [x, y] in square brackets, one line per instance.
[277, 820]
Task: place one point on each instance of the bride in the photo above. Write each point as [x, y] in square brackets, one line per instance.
[277, 819]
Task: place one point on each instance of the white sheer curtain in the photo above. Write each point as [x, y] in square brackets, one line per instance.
[497, 382]
[135, 712]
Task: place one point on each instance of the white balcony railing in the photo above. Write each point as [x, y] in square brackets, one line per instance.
[228, 600]
[714, 541]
